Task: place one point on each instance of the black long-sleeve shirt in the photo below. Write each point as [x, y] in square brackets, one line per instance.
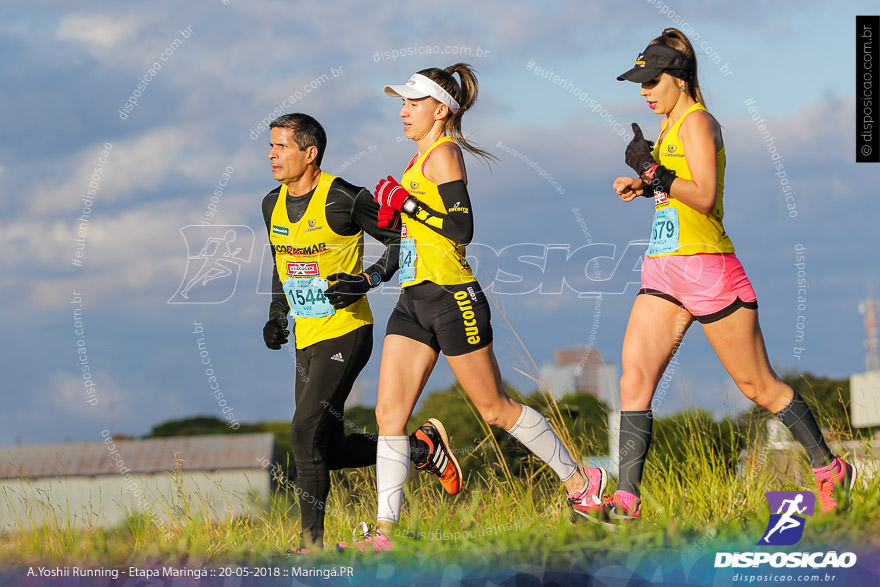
[350, 209]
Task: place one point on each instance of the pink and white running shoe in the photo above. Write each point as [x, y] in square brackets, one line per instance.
[367, 538]
[587, 502]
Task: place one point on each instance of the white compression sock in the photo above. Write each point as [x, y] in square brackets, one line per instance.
[392, 469]
[533, 430]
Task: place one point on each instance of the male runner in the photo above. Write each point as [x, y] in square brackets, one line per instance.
[316, 223]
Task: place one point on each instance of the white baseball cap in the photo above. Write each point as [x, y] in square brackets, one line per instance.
[419, 86]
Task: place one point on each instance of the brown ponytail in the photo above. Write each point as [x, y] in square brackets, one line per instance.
[677, 40]
[465, 94]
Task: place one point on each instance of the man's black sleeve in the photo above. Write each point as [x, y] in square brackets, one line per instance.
[457, 224]
[278, 305]
[351, 209]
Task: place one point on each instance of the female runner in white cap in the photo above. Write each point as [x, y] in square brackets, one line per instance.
[441, 307]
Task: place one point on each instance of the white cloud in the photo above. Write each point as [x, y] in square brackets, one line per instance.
[131, 168]
[85, 395]
[96, 33]
[138, 254]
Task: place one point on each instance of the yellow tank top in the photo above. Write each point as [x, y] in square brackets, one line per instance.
[310, 249]
[679, 229]
[426, 255]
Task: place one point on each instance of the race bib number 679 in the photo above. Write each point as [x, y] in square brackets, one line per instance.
[664, 231]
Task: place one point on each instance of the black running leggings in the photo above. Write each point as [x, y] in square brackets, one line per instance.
[325, 373]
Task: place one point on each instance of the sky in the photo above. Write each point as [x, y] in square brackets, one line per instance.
[134, 141]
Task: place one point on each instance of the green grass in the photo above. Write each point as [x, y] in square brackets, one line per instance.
[499, 518]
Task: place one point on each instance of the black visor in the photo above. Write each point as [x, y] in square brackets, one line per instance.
[657, 59]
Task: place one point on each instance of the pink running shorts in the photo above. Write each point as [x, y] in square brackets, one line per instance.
[708, 285]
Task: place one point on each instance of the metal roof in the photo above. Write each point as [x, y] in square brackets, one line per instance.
[150, 455]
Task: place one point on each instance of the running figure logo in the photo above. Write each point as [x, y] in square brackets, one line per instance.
[212, 274]
[786, 525]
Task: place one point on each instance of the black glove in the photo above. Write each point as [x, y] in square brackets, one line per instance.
[638, 152]
[638, 157]
[347, 290]
[275, 332]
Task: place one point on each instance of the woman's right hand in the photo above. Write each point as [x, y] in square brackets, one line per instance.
[628, 188]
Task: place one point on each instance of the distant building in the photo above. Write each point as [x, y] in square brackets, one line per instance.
[864, 391]
[582, 370]
[101, 483]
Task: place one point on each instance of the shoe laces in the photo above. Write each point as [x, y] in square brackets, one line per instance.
[362, 532]
[428, 465]
[606, 503]
[825, 490]
[580, 496]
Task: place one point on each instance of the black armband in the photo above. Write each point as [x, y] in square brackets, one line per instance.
[455, 196]
[457, 223]
[458, 210]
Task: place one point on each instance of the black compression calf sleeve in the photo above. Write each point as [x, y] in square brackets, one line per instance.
[799, 420]
[635, 437]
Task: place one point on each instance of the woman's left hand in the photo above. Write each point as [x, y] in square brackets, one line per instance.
[390, 193]
[639, 151]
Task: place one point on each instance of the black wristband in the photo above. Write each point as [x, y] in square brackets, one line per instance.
[659, 178]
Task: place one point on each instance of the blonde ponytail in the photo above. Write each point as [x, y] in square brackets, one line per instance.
[465, 94]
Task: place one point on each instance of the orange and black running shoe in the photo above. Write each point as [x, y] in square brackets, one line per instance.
[438, 457]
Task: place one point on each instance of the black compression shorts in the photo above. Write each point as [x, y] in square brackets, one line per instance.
[454, 319]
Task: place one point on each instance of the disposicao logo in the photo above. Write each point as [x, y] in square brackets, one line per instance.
[786, 525]
[788, 516]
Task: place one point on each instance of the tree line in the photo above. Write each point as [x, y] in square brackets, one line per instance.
[580, 418]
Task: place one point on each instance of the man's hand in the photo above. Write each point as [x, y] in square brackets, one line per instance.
[347, 290]
[275, 332]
